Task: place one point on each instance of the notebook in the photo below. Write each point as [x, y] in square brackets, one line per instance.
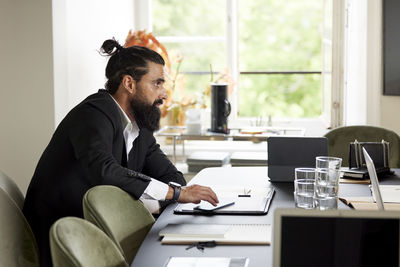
[207, 262]
[376, 192]
[287, 153]
[183, 229]
[236, 234]
[336, 238]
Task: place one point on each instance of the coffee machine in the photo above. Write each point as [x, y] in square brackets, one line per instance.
[220, 108]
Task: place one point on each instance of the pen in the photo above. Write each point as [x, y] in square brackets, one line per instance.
[244, 195]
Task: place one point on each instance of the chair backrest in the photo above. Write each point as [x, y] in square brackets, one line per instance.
[17, 243]
[76, 242]
[339, 140]
[11, 188]
[124, 219]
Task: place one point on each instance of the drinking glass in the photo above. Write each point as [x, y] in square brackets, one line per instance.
[304, 187]
[304, 193]
[323, 162]
[326, 188]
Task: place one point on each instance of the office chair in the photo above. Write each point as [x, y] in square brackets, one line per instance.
[339, 141]
[11, 188]
[75, 242]
[125, 220]
[17, 243]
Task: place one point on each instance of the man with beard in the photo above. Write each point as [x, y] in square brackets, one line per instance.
[108, 140]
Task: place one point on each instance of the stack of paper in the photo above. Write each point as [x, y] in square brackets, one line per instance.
[390, 196]
[207, 262]
[390, 193]
[232, 234]
[195, 230]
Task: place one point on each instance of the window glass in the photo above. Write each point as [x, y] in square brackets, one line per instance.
[279, 35]
[199, 29]
[195, 64]
[189, 17]
[273, 36]
[278, 95]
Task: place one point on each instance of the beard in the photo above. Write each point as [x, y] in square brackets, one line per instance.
[146, 115]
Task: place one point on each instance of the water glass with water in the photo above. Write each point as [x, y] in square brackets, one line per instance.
[327, 182]
[304, 188]
[323, 162]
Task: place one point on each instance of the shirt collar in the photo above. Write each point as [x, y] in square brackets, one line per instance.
[124, 117]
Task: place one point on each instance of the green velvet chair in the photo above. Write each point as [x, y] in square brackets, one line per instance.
[11, 188]
[339, 140]
[17, 243]
[125, 220]
[75, 242]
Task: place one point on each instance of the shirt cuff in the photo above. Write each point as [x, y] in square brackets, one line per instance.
[155, 190]
[153, 206]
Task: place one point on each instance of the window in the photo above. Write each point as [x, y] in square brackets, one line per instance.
[196, 31]
[280, 58]
[272, 48]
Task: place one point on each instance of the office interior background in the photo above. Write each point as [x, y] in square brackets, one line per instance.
[50, 62]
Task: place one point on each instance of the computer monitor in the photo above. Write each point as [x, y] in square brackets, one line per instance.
[336, 238]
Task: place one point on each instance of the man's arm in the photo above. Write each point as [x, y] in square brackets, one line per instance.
[160, 167]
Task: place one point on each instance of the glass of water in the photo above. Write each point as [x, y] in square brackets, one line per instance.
[304, 187]
[326, 188]
[323, 162]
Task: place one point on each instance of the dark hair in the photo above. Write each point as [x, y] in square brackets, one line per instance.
[126, 61]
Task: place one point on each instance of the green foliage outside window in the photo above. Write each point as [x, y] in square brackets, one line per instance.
[274, 35]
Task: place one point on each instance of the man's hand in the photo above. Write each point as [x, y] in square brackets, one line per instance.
[194, 194]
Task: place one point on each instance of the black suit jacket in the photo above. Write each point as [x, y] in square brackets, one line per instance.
[86, 150]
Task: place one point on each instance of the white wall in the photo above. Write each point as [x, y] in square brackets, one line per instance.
[26, 86]
[80, 29]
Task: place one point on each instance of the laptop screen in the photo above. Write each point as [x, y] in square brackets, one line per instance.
[338, 241]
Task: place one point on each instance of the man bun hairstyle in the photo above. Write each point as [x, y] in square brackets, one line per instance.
[126, 61]
[108, 47]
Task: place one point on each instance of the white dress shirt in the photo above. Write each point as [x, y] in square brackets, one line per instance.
[156, 190]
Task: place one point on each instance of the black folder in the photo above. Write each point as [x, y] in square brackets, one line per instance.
[244, 205]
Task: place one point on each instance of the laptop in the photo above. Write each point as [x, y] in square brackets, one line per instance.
[287, 153]
[336, 238]
[376, 191]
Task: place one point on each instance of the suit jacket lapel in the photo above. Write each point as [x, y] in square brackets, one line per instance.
[124, 162]
[135, 156]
